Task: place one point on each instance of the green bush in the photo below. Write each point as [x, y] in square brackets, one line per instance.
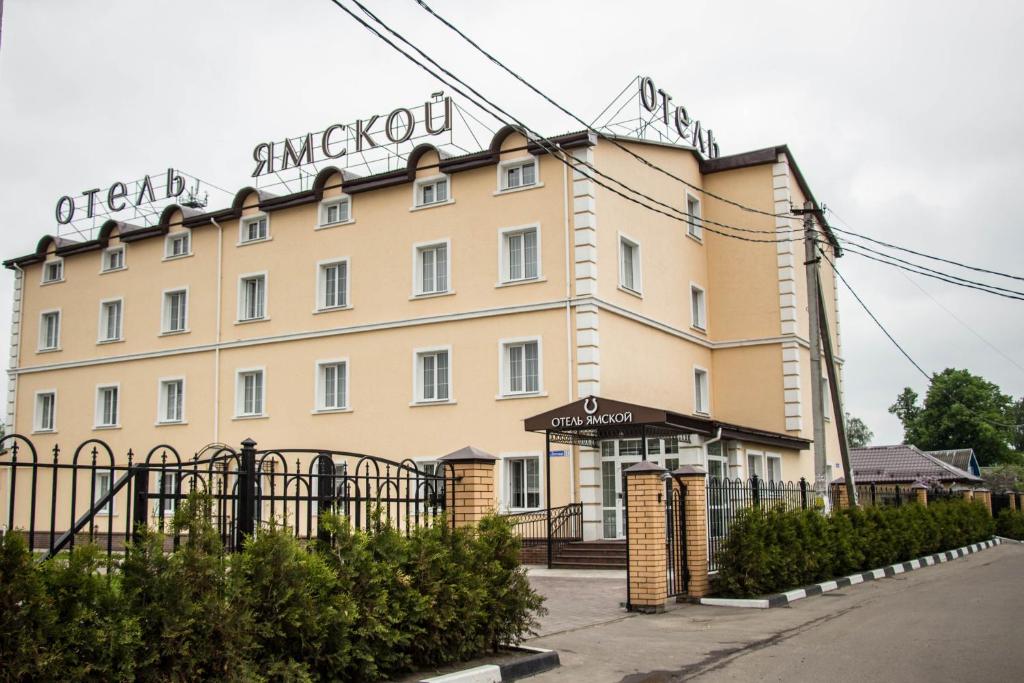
[361, 607]
[1010, 523]
[775, 550]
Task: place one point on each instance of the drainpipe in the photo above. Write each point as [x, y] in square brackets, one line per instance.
[17, 360]
[716, 439]
[568, 318]
[216, 348]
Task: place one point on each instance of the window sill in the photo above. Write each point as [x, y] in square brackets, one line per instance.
[420, 404]
[434, 205]
[178, 257]
[103, 342]
[698, 240]
[701, 413]
[53, 350]
[51, 282]
[332, 309]
[106, 271]
[339, 224]
[698, 328]
[513, 511]
[632, 292]
[531, 394]
[250, 417]
[105, 427]
[513, 190]
[252, 320]
[525, 281]
[329, 411]
[259, 241]
[161, 423]
[431, 295]
[174, 333]
[44, 431]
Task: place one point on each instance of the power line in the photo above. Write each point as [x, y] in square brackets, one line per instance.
[870, 314]
[633, 154]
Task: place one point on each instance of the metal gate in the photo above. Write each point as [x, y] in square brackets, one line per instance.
[678, 574]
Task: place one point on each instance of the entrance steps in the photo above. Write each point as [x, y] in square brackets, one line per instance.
[591, 555]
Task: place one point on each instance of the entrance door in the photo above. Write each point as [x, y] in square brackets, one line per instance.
[613, 495]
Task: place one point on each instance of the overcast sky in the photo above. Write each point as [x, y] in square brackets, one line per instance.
[904, 116]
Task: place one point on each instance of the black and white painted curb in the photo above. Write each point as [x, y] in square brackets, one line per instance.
[537, 661]
[783, 599]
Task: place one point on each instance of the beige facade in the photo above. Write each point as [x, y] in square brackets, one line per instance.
[522, 299]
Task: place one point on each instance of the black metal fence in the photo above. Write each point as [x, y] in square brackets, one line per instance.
[95, 496]
[532, 527]
[937, 493]
[678, 574]
[885, 495]
[1000, 502]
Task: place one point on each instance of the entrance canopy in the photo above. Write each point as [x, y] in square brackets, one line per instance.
[589, 420]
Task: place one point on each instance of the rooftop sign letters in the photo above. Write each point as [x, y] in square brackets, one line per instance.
[119, 196]
[337, 140]
[677, 118]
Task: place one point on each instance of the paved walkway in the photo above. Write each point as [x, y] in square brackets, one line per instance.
[963, 620]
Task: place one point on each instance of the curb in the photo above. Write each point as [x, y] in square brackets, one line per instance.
[539, 661]
[783, 599]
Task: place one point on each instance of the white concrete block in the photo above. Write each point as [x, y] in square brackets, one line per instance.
[586, 320]
[586, 252]
[780, 181]
[781, 195]
[488, 673]
[791, 382]
[585, 220]
[790, 368]
[583, 204]
[781, 168]
[586, 269]
[787, 313]
[791, 395]
[788, 301]
[785, 260]
[586, 287]
[588, 338]
[789, 327]
[787, 286]
[792, 410]
[589, 372]
[588, 354]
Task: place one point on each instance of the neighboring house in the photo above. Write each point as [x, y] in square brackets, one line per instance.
[961, 458]
[905, 464]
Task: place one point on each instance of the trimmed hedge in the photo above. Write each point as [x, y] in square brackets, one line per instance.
[775, 550]
[362, 608]
[1010, 523]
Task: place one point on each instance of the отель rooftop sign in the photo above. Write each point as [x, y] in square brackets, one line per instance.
[677, 117]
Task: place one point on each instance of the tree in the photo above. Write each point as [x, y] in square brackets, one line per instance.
[960, 410]
[857, 433]
[1016, 418]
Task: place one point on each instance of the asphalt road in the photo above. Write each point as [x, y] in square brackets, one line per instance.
[959, 621]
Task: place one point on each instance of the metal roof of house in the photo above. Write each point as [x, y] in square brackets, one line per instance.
[902, 463]
[957, 457]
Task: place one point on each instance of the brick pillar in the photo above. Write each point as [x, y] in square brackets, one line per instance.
[472, 494]
[696, 509]
[921, 493]
[984, 496]
[1013, 501]
[645, 520]
[840, 496]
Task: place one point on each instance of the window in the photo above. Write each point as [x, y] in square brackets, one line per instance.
[172, 401]
[110, 320]
[46, 411]
[167, 484]
[523, 483]
[629, 268]
[432, 191]
[520, 254]
[698, 312]
[250, 393]
[521, 362]
[717, 465]
[333, 279]
[49, 331]
[432, 372]
[177, 245]
[252, 294]
[113, 259]
[518, 174]
[432, 268]
[700, 391]
[107, 406]
[332, 385]
[755, 465]
[53, 271]
[695, 225]
[775, 468]
[175, 315]
[102, 482]
[254, 229]
[334, 211]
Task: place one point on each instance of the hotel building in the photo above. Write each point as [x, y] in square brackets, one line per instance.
[413, 312]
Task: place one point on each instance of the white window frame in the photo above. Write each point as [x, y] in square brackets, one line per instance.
[417, 268]
[432, 180]
[46, 267]
[37, 422]
[325, 204]
[319, 402]
[504, 268]
[105, 259]
[826, 399]
[243, 227]
[165, 310]
[41, 347]
[505, 482]
[694, 229]
[321, 293]
[241, 320]
[722, 459]
[101, 331]
[706, 387]
[170, 238]
[504, 167]
[637, 265]
[759, 456]
[699, 315]
[417, 376]
[161, 401]
[240, 393]
[98, 416]
[505, 379]
[768, 459]
[108, 510]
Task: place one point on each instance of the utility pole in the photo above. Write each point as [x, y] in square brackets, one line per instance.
[811, 262]
[837, 403]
